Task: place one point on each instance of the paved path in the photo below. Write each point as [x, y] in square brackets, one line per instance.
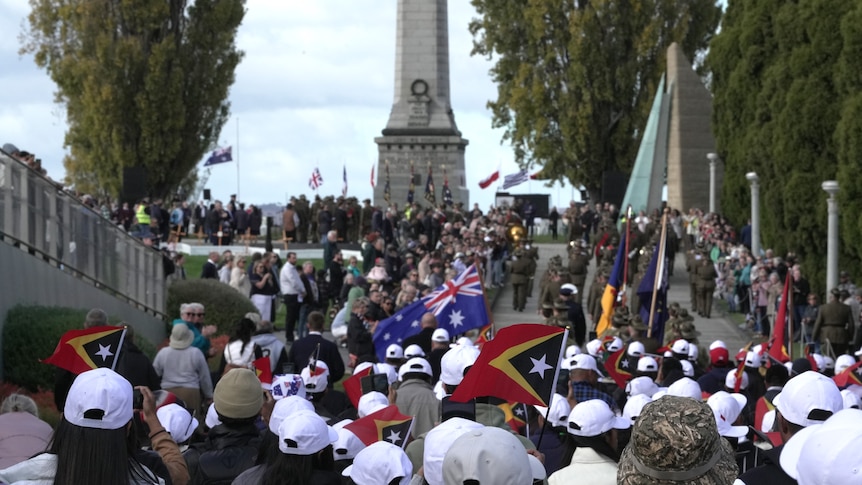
[716, 328]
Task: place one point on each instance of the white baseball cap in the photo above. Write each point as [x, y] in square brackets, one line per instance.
[283, 408]
[559, 413]
[718, 344]
[347, 446]
[634, 406]
[212, 419]
[647, 364]
[388, 369]
[569, 289]
[178, 422]
[584, 362]
[287, 385]
[843, 362]
[821, 363]
[594, 347]
[416, 364]
[726, 407]
[752, 359]
[381, 463]
[394, 351]
[687, 367]
[370, 403]
[487, 455]
[851, 401]
[440, 335]
[614, 345]
[636, 349]
[318, 380]
[768, 421]
[808, 399]
[305, 433]
[455, 362]
[571, 351]
[100, 399]
[437, 443]
[730, 380]
[693, 352]
[413, 350]
[594, 417]
[642, 385]
[828, 363]
[828, 453]
[686, 387]
[680, 346]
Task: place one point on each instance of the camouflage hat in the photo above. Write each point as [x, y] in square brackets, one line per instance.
[683, 315]
[675, 440]
[637, 323]
[619, 320]
[688, 331]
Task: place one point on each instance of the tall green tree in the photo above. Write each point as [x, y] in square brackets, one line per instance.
[575, 79]
[144, 83]
[778, 112]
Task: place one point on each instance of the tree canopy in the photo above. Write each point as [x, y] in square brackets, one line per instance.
[786, 86]
[575, 79]
[144, 83]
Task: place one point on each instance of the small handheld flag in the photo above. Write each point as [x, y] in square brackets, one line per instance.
[82, 350]
[387, 424]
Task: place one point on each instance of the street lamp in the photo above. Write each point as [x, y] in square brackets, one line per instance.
[831, 188]
[755, 213]
[713, 160]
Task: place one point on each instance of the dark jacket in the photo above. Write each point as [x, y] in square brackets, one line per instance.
[137, 367]
[422, 339]
[225, 454]
[770, 473]
[713, 381]
[359, 341]
[209, 271]
[303, 348]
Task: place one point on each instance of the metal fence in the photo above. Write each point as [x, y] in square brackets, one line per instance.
[38, 216]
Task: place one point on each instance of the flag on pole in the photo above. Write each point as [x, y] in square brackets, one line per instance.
[521, 364]
[353, 385]
[82, 350]
[458, 304]
[617, 367]
[387, 424]
[412, 189]
[777, 350]
[344, 185]
[656, 273]
[514, 179]
[429, 188]
[263, 370]
[490, 179]
[387, 192]
[373, 180]
[447, 194]
[222, 155]
[615, 281]
[316, 179]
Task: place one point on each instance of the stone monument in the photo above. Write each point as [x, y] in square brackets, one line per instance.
[421, 131]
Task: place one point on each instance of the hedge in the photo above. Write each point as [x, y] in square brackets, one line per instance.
[224, 305]
[32, 332]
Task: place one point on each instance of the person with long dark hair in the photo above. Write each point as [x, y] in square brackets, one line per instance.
[304, 458]
[94, 442]
[241, 351]
[592, 448]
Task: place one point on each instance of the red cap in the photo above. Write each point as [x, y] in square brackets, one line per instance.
[719, 356]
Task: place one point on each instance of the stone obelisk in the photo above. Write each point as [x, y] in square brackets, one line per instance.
[421, 128]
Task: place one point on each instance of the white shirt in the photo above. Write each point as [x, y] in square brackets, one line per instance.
[291, 284]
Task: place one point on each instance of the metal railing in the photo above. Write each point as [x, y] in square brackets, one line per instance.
[38, 216]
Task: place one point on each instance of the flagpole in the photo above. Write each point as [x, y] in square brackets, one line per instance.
[237, 158]
[626, 260]
[484, 296]
[659, 270]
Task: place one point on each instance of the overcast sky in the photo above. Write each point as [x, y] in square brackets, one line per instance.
[315, 88]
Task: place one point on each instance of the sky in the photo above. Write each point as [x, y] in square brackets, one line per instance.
[314, 89]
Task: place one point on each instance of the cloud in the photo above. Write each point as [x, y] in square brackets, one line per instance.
[315, 88]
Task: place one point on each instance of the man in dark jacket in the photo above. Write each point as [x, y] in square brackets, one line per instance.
[232, 446]
[317, 346]
[359, 336]
[423, 338]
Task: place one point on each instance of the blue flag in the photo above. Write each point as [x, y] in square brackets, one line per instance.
[459, 306]
[429, 189]
[648, 286]
[222, 155]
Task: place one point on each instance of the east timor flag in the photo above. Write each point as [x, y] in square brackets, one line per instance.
[617, 368]
[83, 350]
[385, 425]
[263, 370]
[521, 364]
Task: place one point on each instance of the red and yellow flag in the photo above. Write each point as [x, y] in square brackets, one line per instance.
[388, 424]
[353, 385]
[82, 350]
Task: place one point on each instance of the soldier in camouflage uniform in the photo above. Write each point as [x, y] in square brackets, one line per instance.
[560, 318]
[519, 269]
[675, 440]
[579, 264]
[594, 300]
[531, 252]
[552, 287]
[706, 276]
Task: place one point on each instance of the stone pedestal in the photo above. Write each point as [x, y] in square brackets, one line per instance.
[421, 126]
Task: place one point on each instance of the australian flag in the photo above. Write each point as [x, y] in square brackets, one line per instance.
[459, 306]
[222, 155]
[646, 289]
[429, 189]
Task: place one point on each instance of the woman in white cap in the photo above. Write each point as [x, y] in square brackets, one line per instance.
[592, 431]
[93, 442]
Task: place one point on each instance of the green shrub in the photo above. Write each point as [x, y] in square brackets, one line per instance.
[224, 305]
[31, 333]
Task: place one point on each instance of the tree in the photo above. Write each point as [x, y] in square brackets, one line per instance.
[778, 111]
[575, 79]
[144, 83]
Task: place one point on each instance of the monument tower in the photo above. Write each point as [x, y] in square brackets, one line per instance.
[421, 127]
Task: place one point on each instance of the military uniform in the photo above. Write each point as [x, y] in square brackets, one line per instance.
[691, 260]
[706, 276]
[316, 207]
[365, 216]
[532, 254]
[302, 210]
[520, 268]
[835, 324]
[579, 263]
